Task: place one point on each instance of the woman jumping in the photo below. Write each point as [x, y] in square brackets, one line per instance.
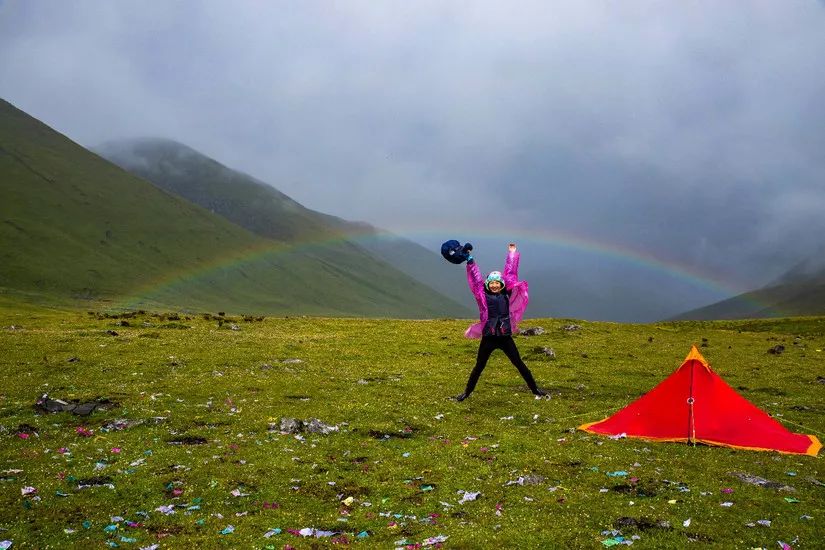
[501, 304]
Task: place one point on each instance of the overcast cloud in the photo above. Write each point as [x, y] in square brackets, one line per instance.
[690, 131]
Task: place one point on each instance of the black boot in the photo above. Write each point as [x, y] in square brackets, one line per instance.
[540, 392]
[462, 396]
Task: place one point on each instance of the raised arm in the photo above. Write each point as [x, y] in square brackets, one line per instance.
[511, 266]
[474, 279]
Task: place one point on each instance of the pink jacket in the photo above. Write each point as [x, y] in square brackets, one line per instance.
[519, 296]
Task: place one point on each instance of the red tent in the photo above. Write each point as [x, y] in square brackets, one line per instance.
[695, 405]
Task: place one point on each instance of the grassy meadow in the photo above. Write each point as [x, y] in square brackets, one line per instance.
[189, 451]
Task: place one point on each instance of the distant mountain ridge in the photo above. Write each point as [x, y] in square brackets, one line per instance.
[76, 229]
[798, 292]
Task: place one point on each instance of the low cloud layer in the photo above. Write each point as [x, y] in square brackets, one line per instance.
[692, 133]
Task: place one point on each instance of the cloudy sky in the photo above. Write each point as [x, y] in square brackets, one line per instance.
[600, 134]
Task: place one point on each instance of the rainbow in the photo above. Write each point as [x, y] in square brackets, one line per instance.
[622, 253]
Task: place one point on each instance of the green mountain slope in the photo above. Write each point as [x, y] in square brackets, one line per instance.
[74, 228]
[239, 198]
[801, 291]
[267, 212]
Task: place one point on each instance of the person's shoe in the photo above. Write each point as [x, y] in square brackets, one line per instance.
[540, 393]
[462, 396]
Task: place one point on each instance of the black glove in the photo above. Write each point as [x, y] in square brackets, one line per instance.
[465, 250]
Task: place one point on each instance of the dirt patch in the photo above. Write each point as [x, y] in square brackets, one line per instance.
[699, 537]
[639, 490]
[383, 436]
[27, 429]
[187, 440]
[641, 523]
[46, 404]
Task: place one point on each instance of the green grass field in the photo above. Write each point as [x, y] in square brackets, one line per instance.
[191, 454]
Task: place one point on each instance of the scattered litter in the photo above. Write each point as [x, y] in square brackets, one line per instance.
[295, 426]
[228, 530]
[619, 473]
[467, 496]
[315, 426]
[764, 522]
[616, 538]
[312, 532]
[188, 440]
[726, 504]
[571, 327]
[272, 532]
[686, 523]
[97, 481]
[791, 500]
[532, 331]
[618, 436]
[26, 491]
[531, 479]
[120, 424]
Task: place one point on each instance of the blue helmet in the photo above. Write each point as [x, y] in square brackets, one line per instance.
[494, 276]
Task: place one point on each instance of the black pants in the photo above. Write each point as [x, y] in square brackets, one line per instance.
[485, 349]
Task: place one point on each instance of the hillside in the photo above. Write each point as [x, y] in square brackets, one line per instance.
[800, 291]
[77, 229]
[267, 212]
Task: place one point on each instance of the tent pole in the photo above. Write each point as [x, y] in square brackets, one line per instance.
[691, 420]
